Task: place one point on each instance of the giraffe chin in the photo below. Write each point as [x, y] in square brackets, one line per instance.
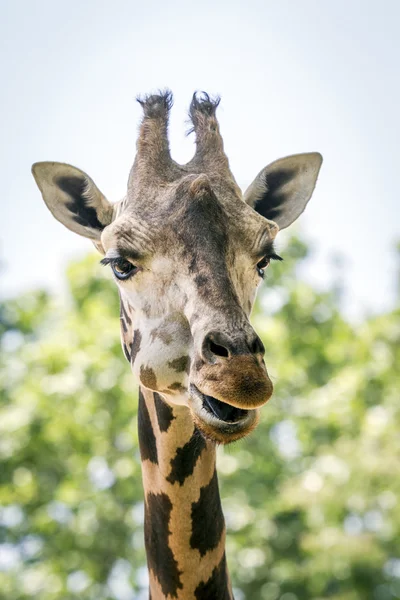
[207, 415]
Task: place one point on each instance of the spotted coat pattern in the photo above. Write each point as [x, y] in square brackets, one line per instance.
[184, 523]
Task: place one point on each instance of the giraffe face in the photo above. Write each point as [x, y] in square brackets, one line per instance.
[187, 281]
[187, 250]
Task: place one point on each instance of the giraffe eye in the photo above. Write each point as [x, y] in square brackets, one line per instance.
[123, 269]
[263, 264]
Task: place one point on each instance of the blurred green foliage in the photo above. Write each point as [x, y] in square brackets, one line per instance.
[311, 498]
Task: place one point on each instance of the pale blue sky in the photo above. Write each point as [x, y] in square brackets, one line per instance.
[294, 76]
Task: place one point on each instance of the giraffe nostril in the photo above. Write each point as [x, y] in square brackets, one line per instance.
[256, 346]
[215, 346]
[218, 350]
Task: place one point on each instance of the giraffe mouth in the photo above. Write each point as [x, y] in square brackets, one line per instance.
[219, 420]
[223, 412]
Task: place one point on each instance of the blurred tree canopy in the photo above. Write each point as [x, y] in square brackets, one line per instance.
[311, 498]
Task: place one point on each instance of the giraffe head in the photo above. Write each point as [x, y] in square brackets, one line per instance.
[188, 251]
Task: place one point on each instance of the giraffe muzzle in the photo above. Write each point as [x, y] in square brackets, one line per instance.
[239, 381]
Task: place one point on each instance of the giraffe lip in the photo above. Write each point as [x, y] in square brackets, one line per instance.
[225, 413]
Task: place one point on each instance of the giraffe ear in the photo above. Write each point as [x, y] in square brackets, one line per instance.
[73, 198]
[280, 191]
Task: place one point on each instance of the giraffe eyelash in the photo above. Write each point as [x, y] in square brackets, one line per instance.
[105, 261]
[274, 256]
[114, 261]
[108, 261]
[122, 268]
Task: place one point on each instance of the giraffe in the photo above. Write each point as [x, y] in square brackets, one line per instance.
[187, 250]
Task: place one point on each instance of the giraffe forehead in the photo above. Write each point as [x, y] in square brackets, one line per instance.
[183, 227]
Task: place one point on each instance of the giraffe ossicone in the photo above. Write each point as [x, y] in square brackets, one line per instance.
[187, 250]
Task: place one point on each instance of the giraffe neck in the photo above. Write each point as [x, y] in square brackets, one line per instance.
[184, 524]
